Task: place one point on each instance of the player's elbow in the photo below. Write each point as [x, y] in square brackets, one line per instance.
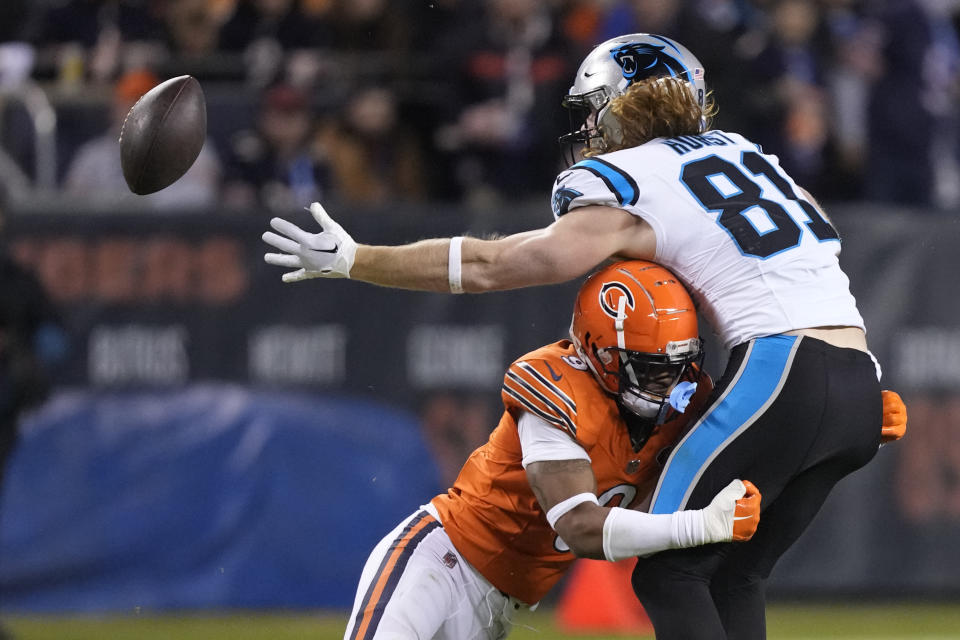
[589, 551]
[481, 277]
[582, 530]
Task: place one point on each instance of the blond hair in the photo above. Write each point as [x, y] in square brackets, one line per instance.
[657, 108]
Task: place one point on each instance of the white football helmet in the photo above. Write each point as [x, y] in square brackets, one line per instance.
[612, 67]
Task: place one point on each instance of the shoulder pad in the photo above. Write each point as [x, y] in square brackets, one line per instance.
[594, 181]
[539, 386]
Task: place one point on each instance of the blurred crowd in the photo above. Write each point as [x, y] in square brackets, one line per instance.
[373, 102]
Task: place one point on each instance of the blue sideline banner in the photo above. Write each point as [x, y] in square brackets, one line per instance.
[212, 496]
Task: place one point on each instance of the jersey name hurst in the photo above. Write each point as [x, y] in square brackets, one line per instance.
[686, 144]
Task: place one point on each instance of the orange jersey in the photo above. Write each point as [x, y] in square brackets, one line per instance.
[491, 513]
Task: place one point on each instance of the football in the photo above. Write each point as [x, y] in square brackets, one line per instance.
[163, 134]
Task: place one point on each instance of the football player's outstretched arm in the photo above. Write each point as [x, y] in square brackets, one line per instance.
[566, 490]
[568, 248]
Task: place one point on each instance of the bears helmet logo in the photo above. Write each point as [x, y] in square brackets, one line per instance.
[610, 294]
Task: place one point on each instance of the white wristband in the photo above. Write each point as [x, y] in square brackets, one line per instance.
[454, 267]
[561, 508]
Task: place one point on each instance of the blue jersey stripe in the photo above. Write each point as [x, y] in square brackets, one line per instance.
[617, 180]
[760, 378]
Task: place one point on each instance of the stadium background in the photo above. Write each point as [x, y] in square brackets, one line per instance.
[218, 441]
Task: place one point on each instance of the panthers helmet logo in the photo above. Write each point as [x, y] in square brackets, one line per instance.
[641, 60]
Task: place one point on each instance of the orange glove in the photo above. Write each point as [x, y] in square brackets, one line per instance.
[746, 517]
[894, 417]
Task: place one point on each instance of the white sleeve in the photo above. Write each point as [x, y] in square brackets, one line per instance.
[628, 533]
[540, 441]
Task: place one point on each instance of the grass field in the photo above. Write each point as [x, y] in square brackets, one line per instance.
[793, 622]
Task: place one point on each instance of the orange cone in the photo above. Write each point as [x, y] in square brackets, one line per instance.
[598, 598]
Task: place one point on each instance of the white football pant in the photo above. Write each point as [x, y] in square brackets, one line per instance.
[416, 586]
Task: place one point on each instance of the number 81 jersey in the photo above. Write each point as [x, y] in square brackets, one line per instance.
[757, 257]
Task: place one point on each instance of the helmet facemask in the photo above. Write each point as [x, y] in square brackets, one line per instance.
[646, 384]
[646, 380]
[586, 113]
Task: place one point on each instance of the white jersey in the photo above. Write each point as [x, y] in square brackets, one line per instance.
[757, 258]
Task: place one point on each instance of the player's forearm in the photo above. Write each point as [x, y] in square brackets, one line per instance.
[603, 533]
[481, 265]
[628, 533]
[421, 266]
[614, 533]
[582, 530]
[512, 262]
[733, 514]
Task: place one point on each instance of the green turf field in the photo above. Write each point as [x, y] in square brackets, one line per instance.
[812, 622]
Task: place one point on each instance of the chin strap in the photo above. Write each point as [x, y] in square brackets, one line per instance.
[638, 427]
[611, 131]
[622, 340]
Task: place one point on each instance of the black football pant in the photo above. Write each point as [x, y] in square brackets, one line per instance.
[792, 415]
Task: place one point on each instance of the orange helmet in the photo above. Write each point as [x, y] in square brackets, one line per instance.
[635, 326]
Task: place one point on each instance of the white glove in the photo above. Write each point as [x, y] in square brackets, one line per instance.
[328, 254]
[733, 514]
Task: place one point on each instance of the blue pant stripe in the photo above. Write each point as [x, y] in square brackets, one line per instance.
[760, 378]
